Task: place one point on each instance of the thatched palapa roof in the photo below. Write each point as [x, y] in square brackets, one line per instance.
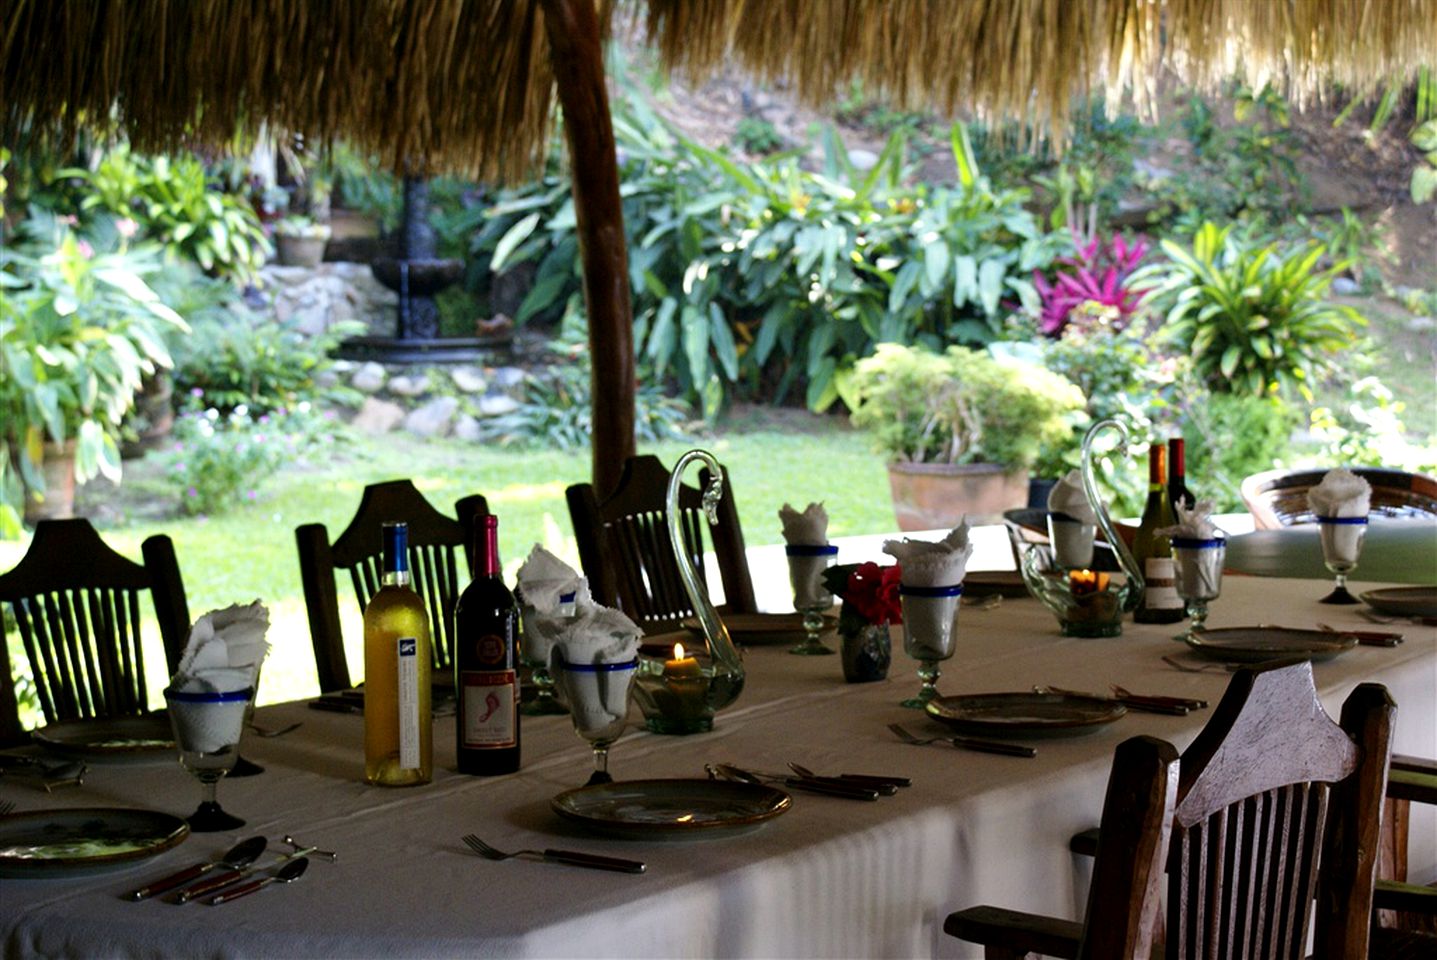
[467, 85]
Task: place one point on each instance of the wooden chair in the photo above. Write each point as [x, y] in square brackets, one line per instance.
[76, 606]
[1277, 808]
[1278, 498]
[625, 551]
[434, 540]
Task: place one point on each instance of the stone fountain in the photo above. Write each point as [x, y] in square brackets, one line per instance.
[417, 275]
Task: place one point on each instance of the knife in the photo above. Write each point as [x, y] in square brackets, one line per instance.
[1170, 705]
[239, 855]
[991, 746]
[832, 789]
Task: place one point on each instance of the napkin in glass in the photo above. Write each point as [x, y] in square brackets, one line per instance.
[1341, 493]
[595, 635]
[223, 655]
[809, 528]
[1068, 499]
[933, 564]
[551, 592]
[1202, 567]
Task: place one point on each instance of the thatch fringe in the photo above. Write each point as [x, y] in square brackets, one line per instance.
[467, 86]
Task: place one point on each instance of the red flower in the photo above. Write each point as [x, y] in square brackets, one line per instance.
[873, 591]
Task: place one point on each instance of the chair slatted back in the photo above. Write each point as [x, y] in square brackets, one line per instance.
[1256, 836]
[76, 605]
[435, 544]
[626, 554]
[1278, 498]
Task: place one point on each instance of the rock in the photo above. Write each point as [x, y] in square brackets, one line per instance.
[1422, 324]
[468, 379]
[342, 367]
[377, 416]
[466, 428]
[310, 321]
[409, 386]
[326, 378]
[497, 404]
[368, 378]
[1345, 286]
[507, 379]
[433, 419]
[862, 160]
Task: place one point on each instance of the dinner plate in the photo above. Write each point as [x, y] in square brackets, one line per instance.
[1257, 644]
[1403, 601]
[1024, 715]
[671, 809]
[45, 843]
[756, 629]
[1005, 583]
[144, 739]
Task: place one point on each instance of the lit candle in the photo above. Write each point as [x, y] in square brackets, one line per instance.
[1083, 582]
[681, 667]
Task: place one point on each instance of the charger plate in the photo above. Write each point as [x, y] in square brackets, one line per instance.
[1258, 644]
[1024, 715]
[671, 809]
[143, 739]
[757, 629]
[1403, 601]
[46, 843]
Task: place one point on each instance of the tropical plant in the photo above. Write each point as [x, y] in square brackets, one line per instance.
[1424, 175]
[171, 200]
[1252, 318]
[1092, 286]
[960, 406]
[78, 331]
[299, 225]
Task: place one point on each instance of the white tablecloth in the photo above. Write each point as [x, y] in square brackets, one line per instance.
[831, 877]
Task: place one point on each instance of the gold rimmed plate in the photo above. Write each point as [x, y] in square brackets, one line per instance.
[49, 843]
[143, 739]
[683, 809]
[756, 629]
[1024, 715]
[1259, 644]
[1403, 601]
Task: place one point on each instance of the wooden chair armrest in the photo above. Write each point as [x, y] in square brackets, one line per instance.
[1407, 897]
[1402, 761]
[1014, 933]
[1418, 785]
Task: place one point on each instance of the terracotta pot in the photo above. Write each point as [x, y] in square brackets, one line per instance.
[932, 496]
[300, 251]
[58, 469]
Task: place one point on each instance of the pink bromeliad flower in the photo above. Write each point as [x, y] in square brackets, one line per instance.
[1092, 284]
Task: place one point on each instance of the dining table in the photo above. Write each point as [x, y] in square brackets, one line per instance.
[828, 877]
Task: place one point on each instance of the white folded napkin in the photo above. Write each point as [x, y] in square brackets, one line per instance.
[1068, 498]
[225, 650]
[1341, 493]
[595, 635]
[809, 528]
[1194, 523]
[545, 581]
[928, 564]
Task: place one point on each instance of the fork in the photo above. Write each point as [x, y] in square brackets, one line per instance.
[966, 743]
[266, 734]
[556, 856]
[1204, 668]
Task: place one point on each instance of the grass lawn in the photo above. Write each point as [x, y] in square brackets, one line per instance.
[249, 552]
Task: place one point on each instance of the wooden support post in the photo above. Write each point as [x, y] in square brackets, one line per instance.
[573, 30]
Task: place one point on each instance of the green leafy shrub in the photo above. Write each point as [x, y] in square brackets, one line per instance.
[171, 201]
[757, 135]
[1252, 319]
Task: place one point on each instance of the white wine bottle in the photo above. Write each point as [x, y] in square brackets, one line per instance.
[398, 662]
[1154, 553]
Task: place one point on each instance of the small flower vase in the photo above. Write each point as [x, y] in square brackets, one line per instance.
[866, 652]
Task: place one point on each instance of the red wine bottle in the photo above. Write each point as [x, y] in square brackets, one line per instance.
[486, 664]
[1178, 492]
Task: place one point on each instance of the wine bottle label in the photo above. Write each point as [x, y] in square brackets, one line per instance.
[1160, 573]
[489, 709]
[408, 676]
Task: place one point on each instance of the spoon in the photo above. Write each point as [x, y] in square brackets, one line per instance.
[290, 872]
[241, 854]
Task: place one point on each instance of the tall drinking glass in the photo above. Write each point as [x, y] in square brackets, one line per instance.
[597, 695]
[207, 727]
[1341, 546]
[1198, 568]
[806, 563]
[930, 620]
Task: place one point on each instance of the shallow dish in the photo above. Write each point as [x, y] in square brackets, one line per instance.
[46, 843]
[671, 809]
[1024, 715]
[1403, 601]
[756, 629]
[145, 739]
[1258, 644]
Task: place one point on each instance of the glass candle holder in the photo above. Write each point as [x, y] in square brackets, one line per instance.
[1198, 569]
[676, 689]
[1087, 603]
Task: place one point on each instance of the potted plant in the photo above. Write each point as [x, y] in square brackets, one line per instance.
[959, 429]
[78, 332]
[301, 241]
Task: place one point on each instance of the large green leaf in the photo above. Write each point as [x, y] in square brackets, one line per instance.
[514, 236]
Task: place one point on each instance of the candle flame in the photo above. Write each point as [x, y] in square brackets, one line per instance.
[678, 651]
